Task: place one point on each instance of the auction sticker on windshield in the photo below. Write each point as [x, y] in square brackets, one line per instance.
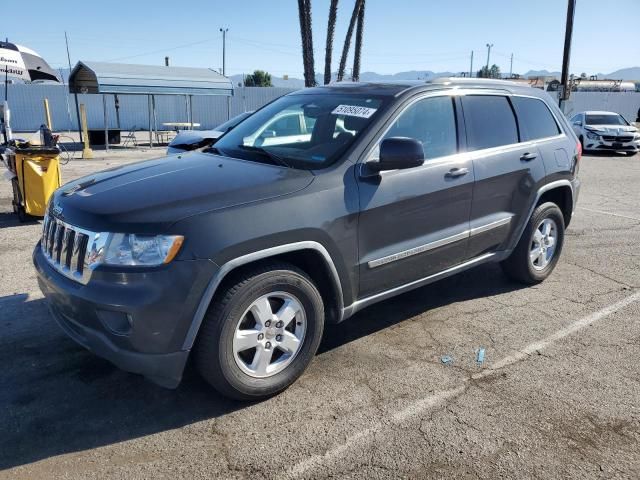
[354, 111]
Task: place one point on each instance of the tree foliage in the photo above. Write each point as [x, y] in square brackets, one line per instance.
[491, 72]
[258, 78]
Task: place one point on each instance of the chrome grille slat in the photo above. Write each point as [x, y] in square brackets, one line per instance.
[58, 242]
[64, 246]
[67, 247]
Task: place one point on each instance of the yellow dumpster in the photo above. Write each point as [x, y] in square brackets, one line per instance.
[37, 176]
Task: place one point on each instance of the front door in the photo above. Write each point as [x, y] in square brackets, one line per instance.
[414, 222]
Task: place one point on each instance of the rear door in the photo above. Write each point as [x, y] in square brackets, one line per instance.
[414, 222]
[506, 171]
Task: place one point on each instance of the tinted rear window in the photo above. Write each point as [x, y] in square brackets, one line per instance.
[536, 121]
[489, 120]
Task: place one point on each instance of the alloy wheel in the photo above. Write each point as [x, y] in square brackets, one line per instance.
[543, 244]
[269, 334]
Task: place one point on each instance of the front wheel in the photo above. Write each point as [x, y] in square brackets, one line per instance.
[261, 333]
[539, 248]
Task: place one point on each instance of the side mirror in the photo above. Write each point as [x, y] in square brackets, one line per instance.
[268, 134]
[398, 153]
[578, 123]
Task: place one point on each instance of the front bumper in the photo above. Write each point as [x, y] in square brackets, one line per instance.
[137, 320]
[603, 145]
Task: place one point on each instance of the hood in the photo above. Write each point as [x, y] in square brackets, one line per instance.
[194, 136]
[145, 196]
[611, 129]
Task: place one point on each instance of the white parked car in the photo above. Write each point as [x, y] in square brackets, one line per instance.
[601, 131]
[188, 140]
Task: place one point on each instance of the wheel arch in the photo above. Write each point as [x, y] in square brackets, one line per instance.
[310, 256]
[562, 196]
[558, 189]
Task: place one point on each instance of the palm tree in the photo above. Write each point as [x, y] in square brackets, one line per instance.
[331, 27]
[347, 40]
[304, 13]
[358, 49]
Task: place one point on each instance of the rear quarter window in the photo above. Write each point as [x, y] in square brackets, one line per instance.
[535, 119]
[489, 121]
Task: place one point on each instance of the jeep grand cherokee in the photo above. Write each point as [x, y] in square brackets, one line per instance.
[238, 255]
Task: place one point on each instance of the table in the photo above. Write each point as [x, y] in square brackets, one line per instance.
[180, 125]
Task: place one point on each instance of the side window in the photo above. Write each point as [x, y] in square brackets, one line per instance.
[286, 126]
[535, 119]
[433, 122]
[489, 120]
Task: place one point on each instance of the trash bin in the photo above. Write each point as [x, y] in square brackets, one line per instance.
[37, 176]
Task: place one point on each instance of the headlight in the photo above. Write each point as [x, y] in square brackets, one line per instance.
[135, 250]
[636, 136]
[593, 136]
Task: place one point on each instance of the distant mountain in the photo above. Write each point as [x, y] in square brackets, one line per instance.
[541, 73]
[632, 73]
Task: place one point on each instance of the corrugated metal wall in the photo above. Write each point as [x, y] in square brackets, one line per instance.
[27, 109]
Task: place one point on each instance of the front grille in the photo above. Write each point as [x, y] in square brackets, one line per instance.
[64, 247]
[620, 138]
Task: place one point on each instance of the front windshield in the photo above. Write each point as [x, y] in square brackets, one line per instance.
[306, 131]
[605, 119]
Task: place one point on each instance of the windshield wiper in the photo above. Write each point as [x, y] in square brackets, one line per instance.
[276, 158]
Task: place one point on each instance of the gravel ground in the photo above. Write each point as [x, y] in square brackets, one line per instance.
[558, 394]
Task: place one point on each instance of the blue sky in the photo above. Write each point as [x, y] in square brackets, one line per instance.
[400, 35]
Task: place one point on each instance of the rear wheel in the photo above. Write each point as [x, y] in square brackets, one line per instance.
[539, 248]
[261, 334]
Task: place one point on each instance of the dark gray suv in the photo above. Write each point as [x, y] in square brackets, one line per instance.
[238, 255]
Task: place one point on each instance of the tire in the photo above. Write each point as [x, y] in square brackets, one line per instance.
[217, 355]
[519, 265]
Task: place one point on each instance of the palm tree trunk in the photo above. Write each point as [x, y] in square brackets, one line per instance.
[331, 27]
[358, 49]
[347, 40]
[311, 66]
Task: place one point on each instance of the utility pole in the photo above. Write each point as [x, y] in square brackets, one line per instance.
[224, 50]
[489, 45]
[471, 66]
[511, 67]
[224, 65]
[75, 95]
[568, 32]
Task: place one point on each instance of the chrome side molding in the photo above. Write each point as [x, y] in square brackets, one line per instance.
[439, 243]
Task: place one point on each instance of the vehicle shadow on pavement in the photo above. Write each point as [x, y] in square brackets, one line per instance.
[57, 398]
[479, 282]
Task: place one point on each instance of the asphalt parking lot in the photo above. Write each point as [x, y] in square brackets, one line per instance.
[557, 395]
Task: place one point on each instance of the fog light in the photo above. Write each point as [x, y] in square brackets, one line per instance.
[117, 322]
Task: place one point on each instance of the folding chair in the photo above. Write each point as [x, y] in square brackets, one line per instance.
[130, 138]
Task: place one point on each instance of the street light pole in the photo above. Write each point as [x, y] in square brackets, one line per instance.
[489, 45]
[224, 50]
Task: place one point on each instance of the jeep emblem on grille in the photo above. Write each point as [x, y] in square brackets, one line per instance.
[57, 209]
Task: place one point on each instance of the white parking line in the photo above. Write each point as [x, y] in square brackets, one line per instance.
[602, 212]
[423, 405]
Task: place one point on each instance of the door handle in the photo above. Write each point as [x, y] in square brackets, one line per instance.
[527, 157]
[456, 172]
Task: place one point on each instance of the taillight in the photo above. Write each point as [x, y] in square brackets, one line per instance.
[579, 151]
